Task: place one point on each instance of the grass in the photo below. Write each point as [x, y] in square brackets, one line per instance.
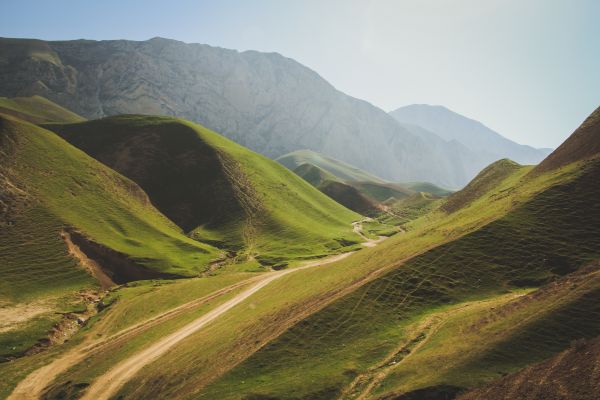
[37, 109]
[203, 357]
[545, 238]
[256, 208]
[50, 186]
[340, 169]
[129, 305]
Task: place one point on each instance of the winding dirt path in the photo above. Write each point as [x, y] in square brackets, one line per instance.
[109, 383]
[33, 386]
[368, 242]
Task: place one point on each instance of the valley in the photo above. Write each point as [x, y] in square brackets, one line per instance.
[182, 221]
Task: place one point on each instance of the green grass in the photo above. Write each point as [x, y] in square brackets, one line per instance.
[314, 175]
[37, 109]
[340, 169]
[256, 206]
[50, 186]
[202, 357]
[546, 237]
[129, 304]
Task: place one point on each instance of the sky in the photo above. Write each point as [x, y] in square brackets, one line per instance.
[529, 69]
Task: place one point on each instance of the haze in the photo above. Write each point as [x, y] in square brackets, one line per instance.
[526, 69]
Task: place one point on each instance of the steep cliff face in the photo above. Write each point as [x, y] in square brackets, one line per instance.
[264, 101]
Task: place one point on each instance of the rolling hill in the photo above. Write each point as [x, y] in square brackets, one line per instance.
[512, 289]
[264, 101]
[315, 168]
[37, 110]
[345, 194]
[56, 203]
[215, 190]
[340, 169]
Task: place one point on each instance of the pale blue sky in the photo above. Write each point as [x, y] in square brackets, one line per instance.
[529, 69]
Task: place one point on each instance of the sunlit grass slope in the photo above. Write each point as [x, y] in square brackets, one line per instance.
[547, 237]
[37, 109]
[216, 190]
[49, 186]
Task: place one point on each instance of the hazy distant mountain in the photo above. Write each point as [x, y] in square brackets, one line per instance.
[448, 125]
[264, 101]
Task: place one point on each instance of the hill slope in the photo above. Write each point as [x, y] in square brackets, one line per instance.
[513, 292]
[264, 101]
[304, 162]
[216, 190]
[582, 144]
[340, 169]
[56, 202]
[571, 375]
[37, 110]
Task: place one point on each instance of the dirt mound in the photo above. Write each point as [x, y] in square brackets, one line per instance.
[571, 375]
[583, 143]
[491, 176]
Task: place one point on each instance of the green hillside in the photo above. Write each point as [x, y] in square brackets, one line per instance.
[37, 110]
[342, 170]
[546, 238]
[343, 193]
[50, 190]
[215, 190]
[314, 175]
[317, 168]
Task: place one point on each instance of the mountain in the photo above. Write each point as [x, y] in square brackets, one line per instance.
[450, 126]
[264, 101]
[37, 109]
[216, 191]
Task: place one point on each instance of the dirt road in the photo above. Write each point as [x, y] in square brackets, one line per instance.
[108, 384]
[368, 242]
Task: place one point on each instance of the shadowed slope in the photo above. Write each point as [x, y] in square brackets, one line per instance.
[49, 189]
[571, 375]
[214, 189]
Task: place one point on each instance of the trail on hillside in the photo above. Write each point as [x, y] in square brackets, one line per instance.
[33, 386]
[364, 384]
[108, 384]
[368, 242]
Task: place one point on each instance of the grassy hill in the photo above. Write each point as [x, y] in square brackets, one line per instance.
[345, 194]
[215, 190]
[52, 193]
[314, 175]
[317, 168]
[500, 297]
[37, 110]
[342, 170]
